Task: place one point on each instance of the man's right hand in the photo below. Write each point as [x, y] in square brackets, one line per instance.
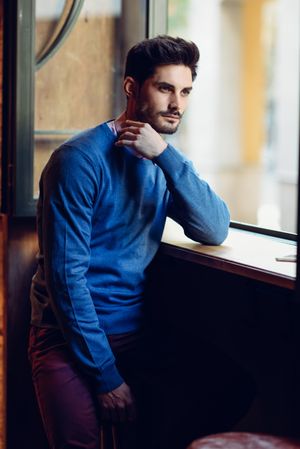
[117, 405]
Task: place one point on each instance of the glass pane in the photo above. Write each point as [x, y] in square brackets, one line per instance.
[80, 85]
[241, 128]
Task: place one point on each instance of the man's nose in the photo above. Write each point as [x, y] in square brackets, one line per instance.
[174, 101]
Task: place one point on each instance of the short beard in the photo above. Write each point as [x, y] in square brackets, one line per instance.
[165, 129]
[144, 116]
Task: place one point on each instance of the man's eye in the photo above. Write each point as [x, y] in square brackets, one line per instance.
[164, 88]
[185, 93]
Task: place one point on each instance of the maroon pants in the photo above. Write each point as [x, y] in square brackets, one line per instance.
[67, 403]
[183, 390]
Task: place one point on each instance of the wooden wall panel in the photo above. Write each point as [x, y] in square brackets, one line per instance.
[254, 324]
[24, 427]
[3, 254]
[3, 284]
[1, 85]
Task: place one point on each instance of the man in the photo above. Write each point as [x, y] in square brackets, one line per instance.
[104, 198]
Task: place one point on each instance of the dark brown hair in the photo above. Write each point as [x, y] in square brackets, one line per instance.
[145, 56]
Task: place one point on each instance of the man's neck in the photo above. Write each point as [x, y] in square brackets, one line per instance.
[119, 121]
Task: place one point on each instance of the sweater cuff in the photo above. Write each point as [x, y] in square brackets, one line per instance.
[170, 160]
[110, 379]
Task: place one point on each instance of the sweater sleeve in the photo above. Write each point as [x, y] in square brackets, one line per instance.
[193, 204]
[68, 188]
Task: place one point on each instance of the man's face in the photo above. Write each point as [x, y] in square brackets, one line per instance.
[162, 99]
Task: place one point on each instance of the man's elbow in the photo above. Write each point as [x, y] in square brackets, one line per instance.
[218, 237]
[220, 232]
[221, 228]
[214, 234]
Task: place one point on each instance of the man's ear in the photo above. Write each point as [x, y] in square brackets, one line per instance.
[130, 87]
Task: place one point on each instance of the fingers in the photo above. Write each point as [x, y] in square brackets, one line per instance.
[119, 412]
[127, 136]
[118, 405]
[130, 133]
[134, 128]
[127, 123]
[142, 138]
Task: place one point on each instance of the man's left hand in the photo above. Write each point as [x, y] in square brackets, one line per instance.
[142, 138]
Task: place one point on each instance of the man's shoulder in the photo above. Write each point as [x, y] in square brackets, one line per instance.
[92, 140]
[88, 148]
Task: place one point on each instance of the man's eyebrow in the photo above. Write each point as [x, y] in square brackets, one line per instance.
[165, 84]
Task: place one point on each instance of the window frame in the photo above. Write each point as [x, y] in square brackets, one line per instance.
[18, 118]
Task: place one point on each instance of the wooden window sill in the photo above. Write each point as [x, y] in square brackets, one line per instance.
[243, 253]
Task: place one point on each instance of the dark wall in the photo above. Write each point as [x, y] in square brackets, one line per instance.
[23, 423]
[255, 325]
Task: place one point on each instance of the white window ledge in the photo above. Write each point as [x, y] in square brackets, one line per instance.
[243, 253]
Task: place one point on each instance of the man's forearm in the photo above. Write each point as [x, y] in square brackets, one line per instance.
[193, 204]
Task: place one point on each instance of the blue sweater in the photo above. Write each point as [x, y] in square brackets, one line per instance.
[100, 218]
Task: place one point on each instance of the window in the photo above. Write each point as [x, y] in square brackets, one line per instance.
[241, 128]
[69, 69]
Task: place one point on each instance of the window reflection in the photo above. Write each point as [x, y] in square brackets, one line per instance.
[80, 86]
[242, 125]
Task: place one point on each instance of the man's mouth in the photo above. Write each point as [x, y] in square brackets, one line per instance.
[176, 116]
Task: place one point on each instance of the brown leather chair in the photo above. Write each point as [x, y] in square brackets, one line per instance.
[244, 440]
